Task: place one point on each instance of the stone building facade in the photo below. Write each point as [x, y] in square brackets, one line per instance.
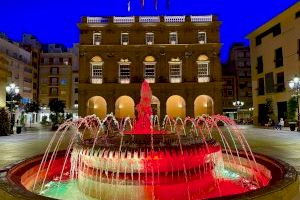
[177, 55]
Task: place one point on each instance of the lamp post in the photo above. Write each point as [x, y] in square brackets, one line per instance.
[238, 104]
[295, 86]
[12, 90]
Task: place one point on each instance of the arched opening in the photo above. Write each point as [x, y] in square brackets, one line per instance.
[155, 105]
[97, 105]
[176, 106]
[203, 105]
[124, 107]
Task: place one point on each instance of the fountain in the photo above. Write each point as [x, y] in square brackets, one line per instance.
[193, 158]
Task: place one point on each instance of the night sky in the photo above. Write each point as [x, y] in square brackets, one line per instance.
[54, 21]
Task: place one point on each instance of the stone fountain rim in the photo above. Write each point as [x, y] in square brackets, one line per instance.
[14, 190]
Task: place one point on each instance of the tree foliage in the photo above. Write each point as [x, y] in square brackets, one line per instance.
[291, 110]
[57, 106]
[32, 107]
[5, 122]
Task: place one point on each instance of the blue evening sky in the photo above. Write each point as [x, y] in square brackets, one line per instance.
[54, 21]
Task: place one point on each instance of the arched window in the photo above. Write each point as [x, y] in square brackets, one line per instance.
[124, 71]
[149, 69]
[203, 69]
[175, 70]
[96, 75]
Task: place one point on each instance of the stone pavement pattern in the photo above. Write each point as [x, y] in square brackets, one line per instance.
[281, 144]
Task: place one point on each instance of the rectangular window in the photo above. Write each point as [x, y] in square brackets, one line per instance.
[202, 37]
[124, 74]
[96, 38]
[76, 80]
[76, 91]
[51, 60]
[278, 57]
[149, 73]
[149, 38]
[297, 15]
[53, 81]
[96, 74]
[260, 65]
[173, 39]
[203, 72]
[54, 71]
[175, 73]
[280, 82]
[261, 86]
[269, 82]
[124, 38]
[53, 91]
[298, 49]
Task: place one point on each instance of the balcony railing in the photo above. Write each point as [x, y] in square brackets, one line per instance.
[149, 19]
[124, 20]
[124, 80]
[200, 19]
[97, 20]
[174, 19]
[203, 79]
[96, 80]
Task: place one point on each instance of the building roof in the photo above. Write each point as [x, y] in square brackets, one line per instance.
[277, 19]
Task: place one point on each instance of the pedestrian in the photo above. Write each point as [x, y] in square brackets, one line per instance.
[280, 124]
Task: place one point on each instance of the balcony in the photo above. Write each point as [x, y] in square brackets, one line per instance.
[124, 80]
[97, 20]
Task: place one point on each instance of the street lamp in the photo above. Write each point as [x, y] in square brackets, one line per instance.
[295, 86]
[12, 90]
[238, 104]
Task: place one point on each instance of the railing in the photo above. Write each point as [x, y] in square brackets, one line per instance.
[96, 80]
[174, 19]
[199, 19]
[149, 19]
[97, 20]
[203, 79]
[124, 20]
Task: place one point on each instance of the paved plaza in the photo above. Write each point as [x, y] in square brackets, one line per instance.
[281, 144]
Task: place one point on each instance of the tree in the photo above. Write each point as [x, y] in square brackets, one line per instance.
[269, 109]
[291, 109]
[32, 107]
[5, 122]
[57, 107]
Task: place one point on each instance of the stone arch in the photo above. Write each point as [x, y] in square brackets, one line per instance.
[98, 106]
[176, 106]
[203, 104]
[124, 107]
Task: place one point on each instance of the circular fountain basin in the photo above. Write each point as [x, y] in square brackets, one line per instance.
[17, 181]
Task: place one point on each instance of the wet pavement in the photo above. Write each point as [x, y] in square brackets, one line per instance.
[281, 144]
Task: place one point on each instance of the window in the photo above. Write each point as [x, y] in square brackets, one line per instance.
[175, 71]
[53, 81]
[229, 93]
[149, 38]
[63, 82]
[173, 39]
[61, 61]
[149, 73]
[53, 91]
[76, 91]
[124, 73]
[278, 57]
[124, 38]
[297, 15]
[275, 30]
[298, 49]
[280, 82]
[203, 71]
[241, 54]
[260, 65]
[96, 38]
[269, 82]
[241, 64]
[76, 80]
[54, 71]
[51, 60]
[96, 73]
[261, 86]
[202, 37]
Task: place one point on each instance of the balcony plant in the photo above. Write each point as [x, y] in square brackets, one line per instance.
[291, 113]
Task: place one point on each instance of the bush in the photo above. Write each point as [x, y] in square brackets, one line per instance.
[5, 122]
[291, 110]
[44, 121]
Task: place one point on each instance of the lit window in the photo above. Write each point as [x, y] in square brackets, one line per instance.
[202, 37]
[124, 38]
[97, 38]
[124, 71]
[203, 71]
[96, 73]
[173, 38]
[149, 38]
[175, 71]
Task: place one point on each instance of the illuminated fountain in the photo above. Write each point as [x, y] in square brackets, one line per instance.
[191, 158]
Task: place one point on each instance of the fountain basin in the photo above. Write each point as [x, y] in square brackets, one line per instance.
[17, 180]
